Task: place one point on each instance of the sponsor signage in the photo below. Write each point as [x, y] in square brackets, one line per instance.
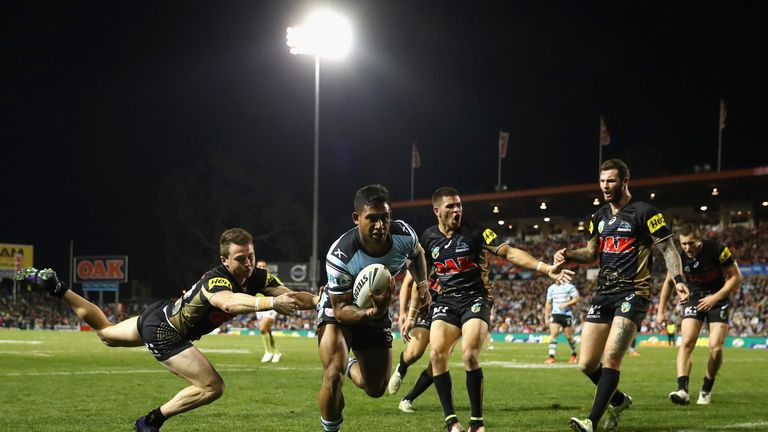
[15, 256]
[294, 275]
[111, 268]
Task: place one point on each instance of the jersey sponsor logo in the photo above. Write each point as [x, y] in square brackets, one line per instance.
[724, 255]
[624, 226]
[462, 247]
[591, 227]
[439, 311]
[655, 223]
[457, 265]
[219, 282]
[616, 244]
[600, 226]
[488, 235]
[613, 219]
[594, 311]
[690, 310]
[435, 252]
[339, 253]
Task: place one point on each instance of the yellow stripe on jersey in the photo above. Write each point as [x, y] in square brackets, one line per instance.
[488, 235]
[591, 227]
[724, 255]
[219, 282]
[655, 223]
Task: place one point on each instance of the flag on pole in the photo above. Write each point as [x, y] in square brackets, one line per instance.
[723, 114]
[415, 156]
[503, 142]
[605, 137]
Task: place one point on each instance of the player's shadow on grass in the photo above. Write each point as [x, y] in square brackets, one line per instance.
[555, 407]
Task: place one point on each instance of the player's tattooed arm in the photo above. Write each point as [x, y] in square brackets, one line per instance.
[674, 267]
[586, 255]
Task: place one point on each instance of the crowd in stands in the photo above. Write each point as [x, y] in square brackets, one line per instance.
[519, 295]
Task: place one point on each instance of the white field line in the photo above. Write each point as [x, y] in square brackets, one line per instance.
[146, 371]
[20, 342]
[735, 426]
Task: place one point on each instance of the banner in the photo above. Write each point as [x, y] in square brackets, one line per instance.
[503, 144]
[13, 256]
[111, 268]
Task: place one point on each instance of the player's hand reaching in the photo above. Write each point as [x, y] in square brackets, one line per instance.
[707, 303]
[286, 304]
[682, 293]
[560, 256]
[559, 274]
[381, 301]
[405, 330]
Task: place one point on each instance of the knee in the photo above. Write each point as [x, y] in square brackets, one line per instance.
[377, 391]
[471, 359]
[333, 379]
[213, 391]
[587, 368]
[613, 360]
[688, 344]
[438, 357]
[715, 351]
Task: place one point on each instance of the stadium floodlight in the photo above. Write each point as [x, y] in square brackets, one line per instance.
[596, 202]
[543, 205]
[653, 195]
[536, 227]
[546, 219]
[765, 203]
[703, 208]
[715, 192]
[501, 222]
[495, 209]
[324, 34]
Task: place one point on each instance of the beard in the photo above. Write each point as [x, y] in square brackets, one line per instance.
[617, 195]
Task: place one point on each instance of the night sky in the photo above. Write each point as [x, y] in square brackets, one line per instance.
[107, 105]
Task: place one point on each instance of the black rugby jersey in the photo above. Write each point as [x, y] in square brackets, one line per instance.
[704, 273]
[458, 260]
[624, 244]
[194, 316]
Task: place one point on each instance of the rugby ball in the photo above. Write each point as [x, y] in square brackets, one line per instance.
[372, 279]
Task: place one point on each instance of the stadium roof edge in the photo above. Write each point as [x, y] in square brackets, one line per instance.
[591, 187]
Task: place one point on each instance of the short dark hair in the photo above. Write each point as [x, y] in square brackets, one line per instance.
[688, 229]
[445, 191]
[371, 195]
[618, 165]
[237, 236]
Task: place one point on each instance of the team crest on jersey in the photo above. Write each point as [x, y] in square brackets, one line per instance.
[591, 227]
[600, 226]
[462, 246]
[219, 282]
[625, 307]
[435, 252]
[476, 307]
[613, 219]
[624, 226]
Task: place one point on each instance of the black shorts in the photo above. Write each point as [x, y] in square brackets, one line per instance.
[162, 339]
[718, 313]
[424, 319]
[361, 337]
[562, 319]
[457, 310]
[606, 306]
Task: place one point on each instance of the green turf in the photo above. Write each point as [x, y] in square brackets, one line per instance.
[71, 382]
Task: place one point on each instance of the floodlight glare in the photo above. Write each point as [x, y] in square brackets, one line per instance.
[501, 222]
[596, 202]
[703, 208]
[324, 34]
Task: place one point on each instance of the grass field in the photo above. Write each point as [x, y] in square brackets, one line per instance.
[60, 381]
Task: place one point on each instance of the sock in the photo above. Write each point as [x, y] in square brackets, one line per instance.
[708, 383]
[618, 397]
[402, 368]
[272, 346]
[682, 383]
[422, 384]
[266, 342]
[445, 393]
[609, 381]
[156, 418]
[475, 391]
[552, 348]
[572, 343]
[331, 425]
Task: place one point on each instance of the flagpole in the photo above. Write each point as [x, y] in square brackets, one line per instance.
[720, 125]
[498, 151]
[412, 168]
[600, 145]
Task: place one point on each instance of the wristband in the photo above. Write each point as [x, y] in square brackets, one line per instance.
[678, 279]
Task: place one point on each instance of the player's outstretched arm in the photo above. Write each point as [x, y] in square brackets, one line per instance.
[240, 303]
[666, 291]
[674, 267]
[304, 300]
[523, 259]
[586, 255]
[347, 312]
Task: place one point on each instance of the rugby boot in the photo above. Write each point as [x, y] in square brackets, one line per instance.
[406, 406]
[705, 398]
[142, 426]
[680, 397]
[394, 382]
[581, 425]
[45, 279]
[614, 413]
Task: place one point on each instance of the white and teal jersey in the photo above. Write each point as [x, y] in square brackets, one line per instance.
[558, 294]
[346, 257]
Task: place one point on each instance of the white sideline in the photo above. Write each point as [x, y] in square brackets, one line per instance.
[146, 371]
[735, 426]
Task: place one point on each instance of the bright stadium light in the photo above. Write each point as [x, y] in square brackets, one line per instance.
[543, 205]
[715, 192]
[326, 35]
[703, 208]
[501, 222]
[596, 202]
[765, 203]
[546, 219]
[653, 195]
[495, 209]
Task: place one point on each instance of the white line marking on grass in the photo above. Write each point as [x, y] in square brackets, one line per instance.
[521, 365]
[26, 353]
[21, 342]
[735, 426]
[145, 371]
